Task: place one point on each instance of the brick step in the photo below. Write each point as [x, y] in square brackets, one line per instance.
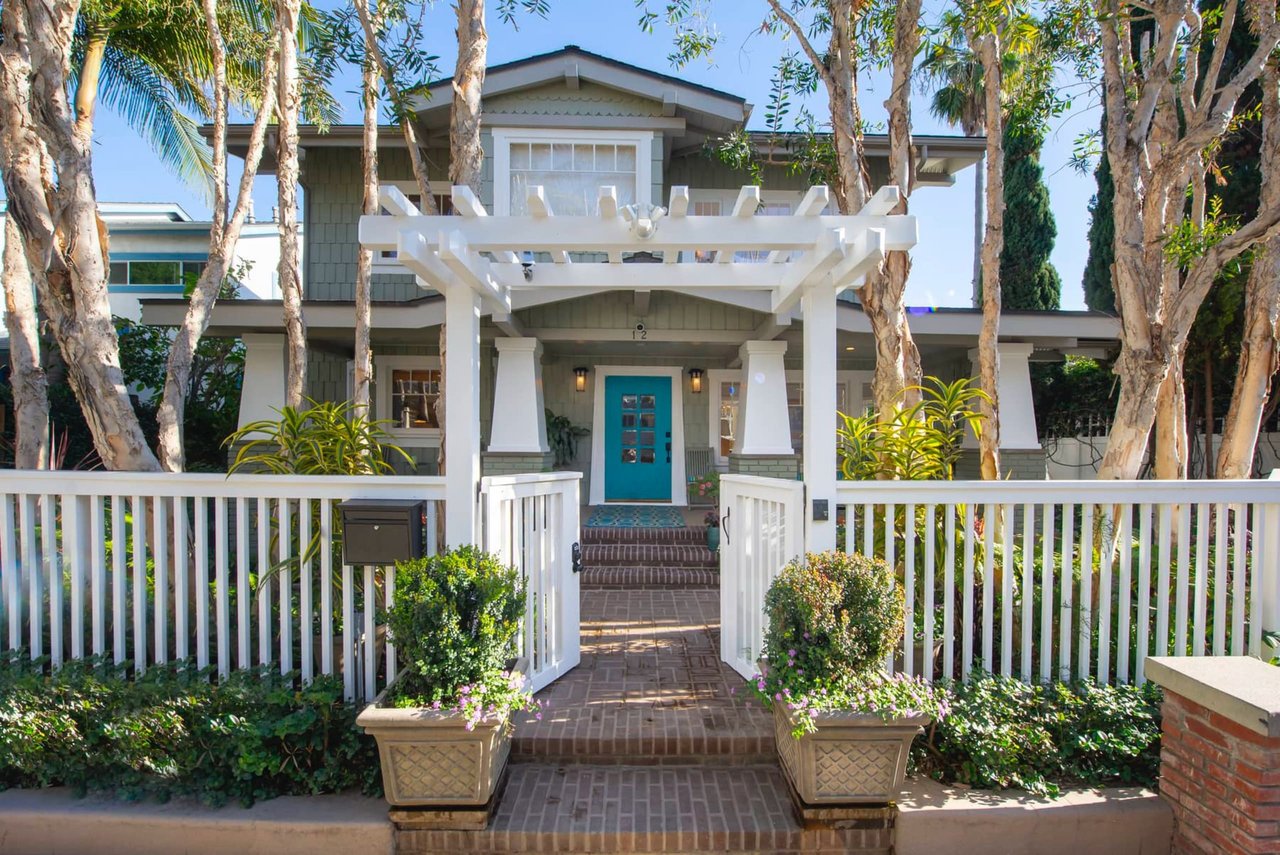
[592, 808]
[684, 534]
[649, 555]
[650, 578]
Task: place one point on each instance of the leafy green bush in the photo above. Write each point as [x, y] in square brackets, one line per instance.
[832, 623]
[833, 616]
[251, 736]
[454, 621]
[1004, 733]
[326, 438]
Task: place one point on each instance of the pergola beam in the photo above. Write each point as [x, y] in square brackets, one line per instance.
[884, 201]
[593, 234]
[472, 271]
[813, 268]
[540, 209]
[467, 204]
[744, 207]
[867, 255]
[395, 203]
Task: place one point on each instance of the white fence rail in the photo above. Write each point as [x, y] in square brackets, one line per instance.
[1047, 580]
[531, 522]
[232, 572]
[762, 528]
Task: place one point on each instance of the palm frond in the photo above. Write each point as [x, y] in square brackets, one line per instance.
[133, 89]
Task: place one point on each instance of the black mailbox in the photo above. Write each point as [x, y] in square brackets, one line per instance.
[382, 531]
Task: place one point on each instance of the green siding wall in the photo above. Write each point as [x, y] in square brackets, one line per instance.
[700, 171]
[332, 201]
[616, 310]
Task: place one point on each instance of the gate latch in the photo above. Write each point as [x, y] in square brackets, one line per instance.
[576, 554]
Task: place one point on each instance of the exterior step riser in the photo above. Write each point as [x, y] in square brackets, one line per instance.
[650, 578]
[632, 555]
[691, 535]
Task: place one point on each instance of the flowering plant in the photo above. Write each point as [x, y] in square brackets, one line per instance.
[712, 519]
[455, 621]
[705, 490]
[833, 621]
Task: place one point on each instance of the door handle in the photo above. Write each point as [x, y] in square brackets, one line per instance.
[576, 557]
[724, 524]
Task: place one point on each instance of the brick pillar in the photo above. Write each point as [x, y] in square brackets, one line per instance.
[1220, 753]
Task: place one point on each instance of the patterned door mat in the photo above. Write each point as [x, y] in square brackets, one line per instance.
[634, 516]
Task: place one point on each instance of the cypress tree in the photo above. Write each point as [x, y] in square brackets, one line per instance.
[1099, 293]
[1028, 280]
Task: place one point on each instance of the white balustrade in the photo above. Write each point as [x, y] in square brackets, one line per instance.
[229, 572]
[1071, 579]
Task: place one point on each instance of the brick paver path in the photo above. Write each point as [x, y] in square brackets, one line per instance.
[651, 689]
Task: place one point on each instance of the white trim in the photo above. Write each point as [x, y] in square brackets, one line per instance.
[679, 487]
[503, 137]
[382, 368]
[852, 380]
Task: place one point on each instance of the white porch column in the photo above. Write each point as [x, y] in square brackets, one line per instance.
[1017, 411]
[519, 417]
[819, 307]
[461, 414]
[765, 428]
[264, 374]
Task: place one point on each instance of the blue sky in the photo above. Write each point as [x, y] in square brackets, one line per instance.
[126, 170]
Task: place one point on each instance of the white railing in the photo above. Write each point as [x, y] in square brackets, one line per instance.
[1048, 580]
[761, 529]
[232, 572]
[531, 522]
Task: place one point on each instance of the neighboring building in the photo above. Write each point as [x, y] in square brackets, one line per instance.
[571, 121]
[157, 249]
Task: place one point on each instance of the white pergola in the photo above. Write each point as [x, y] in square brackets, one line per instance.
[478, 262]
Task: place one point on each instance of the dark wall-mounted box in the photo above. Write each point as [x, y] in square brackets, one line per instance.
[382, 531]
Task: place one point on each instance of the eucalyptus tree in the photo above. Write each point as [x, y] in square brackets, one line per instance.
[1167, 110]
[224, 231]
[837, 40]
[1260, 349]
[47, 160]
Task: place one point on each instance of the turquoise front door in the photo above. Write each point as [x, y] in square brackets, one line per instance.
[637, 439]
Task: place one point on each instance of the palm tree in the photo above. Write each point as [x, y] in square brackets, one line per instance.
[958, 101]
[149, 62]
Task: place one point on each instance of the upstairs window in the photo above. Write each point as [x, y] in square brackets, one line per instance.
[571, 167]
[168, 275]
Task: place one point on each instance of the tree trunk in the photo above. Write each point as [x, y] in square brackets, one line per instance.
[979, 200]
[26, 374]
[224, 235]
[1171, 426]
[95, 51]
[466, 155]
[363, 356]
[884, 295]
[1260, 350]
[989, 54]
[416, 160]
[65, 242]
[287, 14]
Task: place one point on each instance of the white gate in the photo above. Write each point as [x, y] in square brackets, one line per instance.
[531, 522]
[762, 528]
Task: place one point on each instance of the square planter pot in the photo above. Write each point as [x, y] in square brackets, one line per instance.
[852, 758]
[429, 758]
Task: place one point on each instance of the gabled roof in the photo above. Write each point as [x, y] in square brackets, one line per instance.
[703, 106]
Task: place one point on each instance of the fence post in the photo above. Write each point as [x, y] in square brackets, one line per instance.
[1269, 586]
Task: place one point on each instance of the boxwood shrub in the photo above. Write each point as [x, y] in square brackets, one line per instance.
[253, 735]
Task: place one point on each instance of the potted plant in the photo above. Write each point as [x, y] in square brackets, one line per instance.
[705, 490]
[843, 726]
[443, 726]
[712, 519]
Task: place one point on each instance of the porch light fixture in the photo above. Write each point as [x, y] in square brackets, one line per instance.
[580, 379]
[695, 380]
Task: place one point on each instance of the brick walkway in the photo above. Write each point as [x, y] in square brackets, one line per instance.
[651, 689]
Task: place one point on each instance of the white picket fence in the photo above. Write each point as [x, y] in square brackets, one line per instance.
[1041, 580]
[761, 529]
[153, 568]
[531, 522]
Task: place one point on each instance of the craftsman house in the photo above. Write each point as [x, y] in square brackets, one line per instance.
[655, 374]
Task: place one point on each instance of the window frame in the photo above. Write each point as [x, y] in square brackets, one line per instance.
[383, 366]
[504, 137]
